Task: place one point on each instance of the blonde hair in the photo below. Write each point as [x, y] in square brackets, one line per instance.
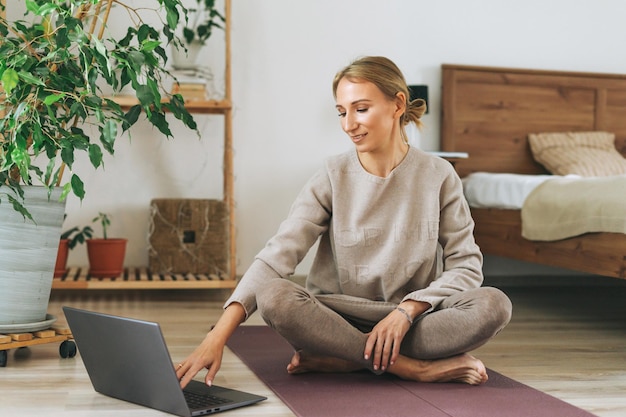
[385, 75]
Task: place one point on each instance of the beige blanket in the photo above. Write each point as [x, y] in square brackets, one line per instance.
[564, 207]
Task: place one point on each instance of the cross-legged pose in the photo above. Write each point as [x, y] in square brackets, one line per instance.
[395, 285]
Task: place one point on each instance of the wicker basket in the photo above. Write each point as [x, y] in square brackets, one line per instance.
[189, 236]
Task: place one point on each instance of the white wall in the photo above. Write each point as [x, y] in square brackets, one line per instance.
[285, 54]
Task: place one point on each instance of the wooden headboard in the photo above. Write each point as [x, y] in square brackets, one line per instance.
[489, 112]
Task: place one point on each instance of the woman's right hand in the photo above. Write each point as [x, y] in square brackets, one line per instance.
[209, 354]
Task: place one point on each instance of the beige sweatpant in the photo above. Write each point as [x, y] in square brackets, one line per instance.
[337, 325]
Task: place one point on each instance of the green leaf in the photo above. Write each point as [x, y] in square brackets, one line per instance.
[160, 122]
[39, 139]
[17, 206]
[46, 8]
[77, 110]
[22, 160]
[30, 79]
[92, 78]
[95, 155]
[100, 47]
[149, 46]
[145, 95]
[124, 77]
[62, 38]
[67, 154]
[161, 52]
[172, 17]
[188, 34]
[32, 6]
[131, 116]
[143, 32]
[49, 169]
[108, 134]
[53, 98]
[78, 187]
[169, 34]
[177, 106]
[155, 91]
[136, 59]
[19, 156]
[125, 41]
[10, 79]
[93, 101]
[65, 192]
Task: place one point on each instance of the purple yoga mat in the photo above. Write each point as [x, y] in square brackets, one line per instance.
[364, 394]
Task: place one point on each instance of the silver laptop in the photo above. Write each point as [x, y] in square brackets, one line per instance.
[128, 359]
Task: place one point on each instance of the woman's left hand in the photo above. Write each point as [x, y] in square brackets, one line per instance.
[383, 342]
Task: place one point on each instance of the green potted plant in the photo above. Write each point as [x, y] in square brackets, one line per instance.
[69, 239]
[198, 28]
[106, 255]
[56, 60]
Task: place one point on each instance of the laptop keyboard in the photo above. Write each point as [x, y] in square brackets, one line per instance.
[196, 401]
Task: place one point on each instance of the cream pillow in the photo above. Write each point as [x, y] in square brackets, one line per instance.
[588, 154]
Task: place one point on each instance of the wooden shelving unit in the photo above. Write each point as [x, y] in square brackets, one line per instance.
[213, 107]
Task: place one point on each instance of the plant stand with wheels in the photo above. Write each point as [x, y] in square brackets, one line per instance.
[67, 349]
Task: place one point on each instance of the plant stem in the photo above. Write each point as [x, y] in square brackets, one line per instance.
[92, 28]
[105, 19]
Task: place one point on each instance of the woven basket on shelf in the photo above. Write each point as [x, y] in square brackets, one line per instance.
[189, 236]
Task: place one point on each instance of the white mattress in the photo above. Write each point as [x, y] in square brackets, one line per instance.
[503, 191]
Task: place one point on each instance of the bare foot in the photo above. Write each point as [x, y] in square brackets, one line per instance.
[302, 362]
[462, 368]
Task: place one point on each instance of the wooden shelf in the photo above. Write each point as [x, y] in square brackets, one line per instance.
[193, 106]
[140, 278]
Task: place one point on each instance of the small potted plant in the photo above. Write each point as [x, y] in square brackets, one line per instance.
[106, 255]
[69, 239]
[199, 24]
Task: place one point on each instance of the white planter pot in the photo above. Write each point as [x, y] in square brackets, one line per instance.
[182, 60]
[27, 257]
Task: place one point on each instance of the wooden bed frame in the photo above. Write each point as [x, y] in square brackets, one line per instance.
[489, 112]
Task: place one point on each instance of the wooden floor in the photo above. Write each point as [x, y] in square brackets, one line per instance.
[567, 341]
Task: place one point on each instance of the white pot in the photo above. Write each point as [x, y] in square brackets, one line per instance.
[186, 60]
[27, 256]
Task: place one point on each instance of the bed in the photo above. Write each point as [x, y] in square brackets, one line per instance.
[489, 113]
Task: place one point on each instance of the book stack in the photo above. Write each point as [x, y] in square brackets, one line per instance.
[190, 90]
[190, 86]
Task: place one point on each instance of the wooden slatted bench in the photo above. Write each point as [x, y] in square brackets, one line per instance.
[140, 278]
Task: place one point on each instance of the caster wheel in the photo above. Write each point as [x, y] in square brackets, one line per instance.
[3, 358]
[67, 349]
[23, 352]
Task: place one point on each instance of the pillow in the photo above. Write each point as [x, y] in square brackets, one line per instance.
[588, 154]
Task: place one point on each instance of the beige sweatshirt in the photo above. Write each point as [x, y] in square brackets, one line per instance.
[407, 236]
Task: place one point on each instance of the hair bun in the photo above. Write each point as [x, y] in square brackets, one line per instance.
[418, 106]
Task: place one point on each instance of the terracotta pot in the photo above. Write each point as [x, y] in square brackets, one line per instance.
[106, 257]
[61, 264]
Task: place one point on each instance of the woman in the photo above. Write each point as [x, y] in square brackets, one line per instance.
[395, 284]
